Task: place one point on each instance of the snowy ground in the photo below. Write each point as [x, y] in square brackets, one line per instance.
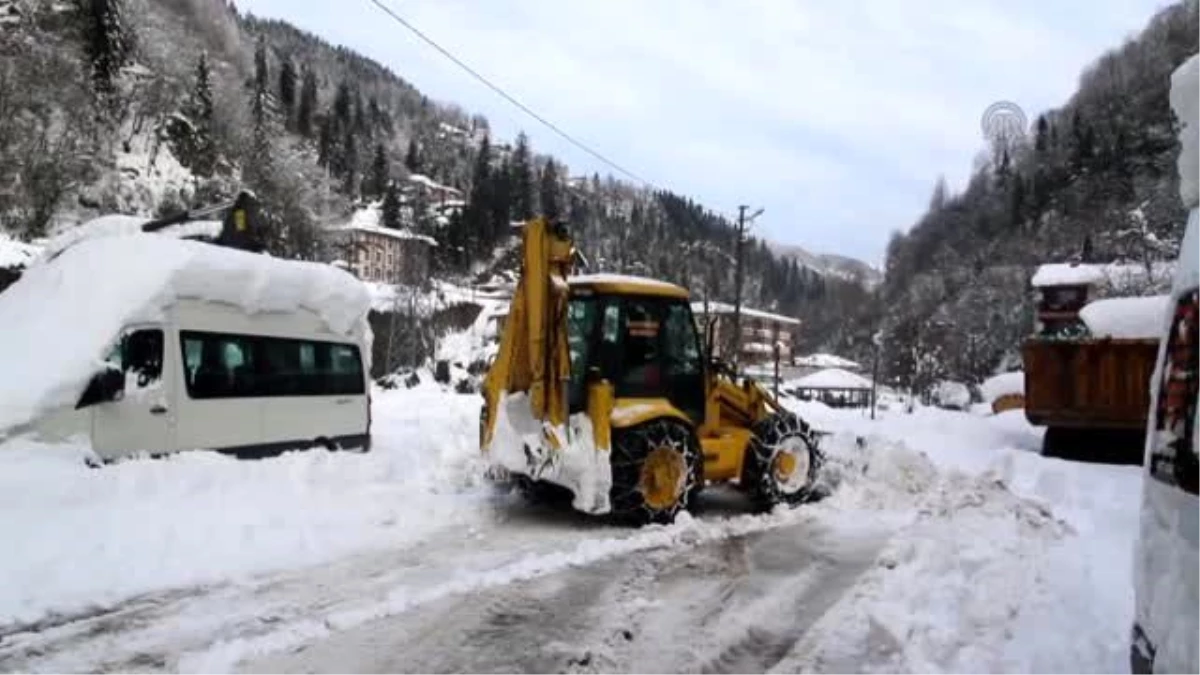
[948, 545]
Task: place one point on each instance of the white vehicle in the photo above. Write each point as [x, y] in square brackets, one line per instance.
[1167, 614]
[211, 376]
[151, 344]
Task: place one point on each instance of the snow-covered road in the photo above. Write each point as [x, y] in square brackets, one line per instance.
[947, 545]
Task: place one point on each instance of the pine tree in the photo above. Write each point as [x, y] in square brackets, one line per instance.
[412, 158]
[937, 202]
[1039, 143]
[350, 169]
[325, 145]
[477, 220]
[287, 89]
[308, 103]
[550, 203]
[341, 106]
[379, 173]
[200, 111]
[109, 46]
[1016, 204]
[521, 179]
[261, 80]
[389, 215]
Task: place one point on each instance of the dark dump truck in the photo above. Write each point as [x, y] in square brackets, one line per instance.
[1091, 392]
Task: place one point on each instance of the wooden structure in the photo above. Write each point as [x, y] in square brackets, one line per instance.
[1006, 402]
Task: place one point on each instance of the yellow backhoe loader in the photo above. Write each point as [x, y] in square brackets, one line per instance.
[601, 386]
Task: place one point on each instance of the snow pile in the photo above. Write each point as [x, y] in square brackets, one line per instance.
[1003, 385]
[92, 537]
[15, 253]
[1126, 318]
[63, 316]
[1185, 90]
[831, 378]
[950, 394]
[826, 361]
[1001, 550]
[121, 225]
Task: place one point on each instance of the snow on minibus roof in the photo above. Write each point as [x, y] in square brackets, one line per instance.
[62, 316]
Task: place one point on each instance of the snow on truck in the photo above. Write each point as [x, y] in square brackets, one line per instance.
[601, 388]
[149, 343]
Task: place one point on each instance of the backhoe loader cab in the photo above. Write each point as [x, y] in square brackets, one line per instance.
[602, 386]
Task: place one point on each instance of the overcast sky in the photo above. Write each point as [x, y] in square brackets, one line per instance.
[836, 117]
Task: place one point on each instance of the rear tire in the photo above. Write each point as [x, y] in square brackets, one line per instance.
[782, 462]
[655, 466]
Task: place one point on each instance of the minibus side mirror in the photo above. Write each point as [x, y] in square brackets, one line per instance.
[106, 385]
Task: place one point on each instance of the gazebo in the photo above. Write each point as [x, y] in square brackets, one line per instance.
[834, 387]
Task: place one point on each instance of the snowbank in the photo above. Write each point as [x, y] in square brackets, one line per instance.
[1002, 549]
[1003, 384]
[61, 317]
[1185, 89]
[831, 378]
[84, 537]
[1067, 274]
[15, 253]
[1126, 318]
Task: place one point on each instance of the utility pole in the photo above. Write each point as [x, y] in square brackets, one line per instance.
[737, 281]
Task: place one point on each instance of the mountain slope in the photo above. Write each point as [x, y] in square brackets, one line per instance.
[1094, 179]
[830, 264]
[171, 103]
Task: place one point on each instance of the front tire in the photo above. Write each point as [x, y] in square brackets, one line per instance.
[782, 462]
[655, 466]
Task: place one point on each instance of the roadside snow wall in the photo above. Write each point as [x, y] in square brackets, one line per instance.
[61, 317]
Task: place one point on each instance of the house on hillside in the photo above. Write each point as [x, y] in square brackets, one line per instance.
[761, 332]
[382, 255]
[433, 191]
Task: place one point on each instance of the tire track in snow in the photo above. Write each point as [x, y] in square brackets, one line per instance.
[730, 605]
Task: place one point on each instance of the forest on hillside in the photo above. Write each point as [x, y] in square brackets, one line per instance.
[98, 96]
[1092, 180]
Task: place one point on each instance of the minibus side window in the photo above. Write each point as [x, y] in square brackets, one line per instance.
[1173, 457]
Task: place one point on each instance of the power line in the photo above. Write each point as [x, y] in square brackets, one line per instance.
[548, 124]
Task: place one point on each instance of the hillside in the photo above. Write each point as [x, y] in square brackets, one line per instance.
[145, 106]
[1094, 179]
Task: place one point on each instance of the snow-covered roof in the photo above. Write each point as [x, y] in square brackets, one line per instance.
[1130, 318]
[123, 225]
[590, 279]
[430, 183]
[1119, 277]
[826, 361]
[62, 316]
[724, 308]
[1003, 384]
[831, 378]
[369, 219]
[15, 253]
[1067, 274]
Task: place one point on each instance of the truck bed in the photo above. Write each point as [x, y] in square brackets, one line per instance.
[1100, 384]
